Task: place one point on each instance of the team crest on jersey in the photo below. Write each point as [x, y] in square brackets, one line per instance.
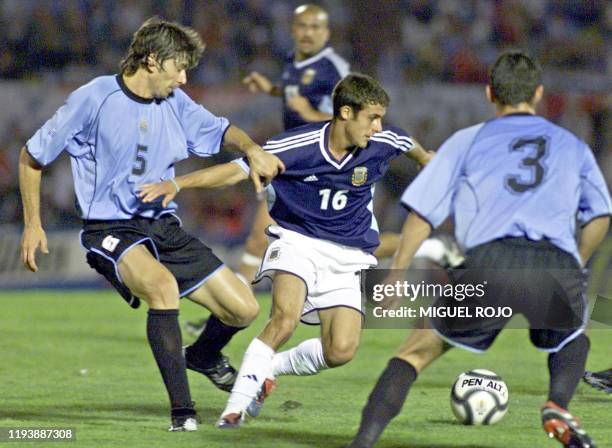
[308, 76]
[360, 176]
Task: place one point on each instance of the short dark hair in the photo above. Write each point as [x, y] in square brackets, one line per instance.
[165, 40]
[357, 91]
[514, 77]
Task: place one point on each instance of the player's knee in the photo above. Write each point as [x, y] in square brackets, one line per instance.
[162, 292]
[339, 353]
[245, 314]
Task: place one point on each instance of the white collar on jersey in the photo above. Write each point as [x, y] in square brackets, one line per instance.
[327, 155]
[321, 54]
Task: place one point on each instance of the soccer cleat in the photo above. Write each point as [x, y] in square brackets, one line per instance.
[232, 420]
[599, 380]
[254, 408]
[184, 423]
[558, 423]
[195, 328]
[221, 373]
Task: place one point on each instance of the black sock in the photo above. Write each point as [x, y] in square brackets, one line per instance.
[164, 335]
[385, 401]
[566, 367]
[207, 348]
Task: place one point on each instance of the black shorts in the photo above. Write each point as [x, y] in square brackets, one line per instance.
[189, 260]
[533, 278]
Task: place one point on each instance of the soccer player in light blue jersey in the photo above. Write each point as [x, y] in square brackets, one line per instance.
[515, 186]
[325, 234]
[124, 130]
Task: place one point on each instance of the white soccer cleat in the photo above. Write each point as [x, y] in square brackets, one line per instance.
[183, 424]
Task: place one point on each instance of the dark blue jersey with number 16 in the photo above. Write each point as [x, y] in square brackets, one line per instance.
[324, 198]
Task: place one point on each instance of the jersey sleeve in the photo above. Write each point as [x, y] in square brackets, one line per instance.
[204, 130]
[72, 120]
[431, 193]
[339, 68]
[396, 139]
[594, 195]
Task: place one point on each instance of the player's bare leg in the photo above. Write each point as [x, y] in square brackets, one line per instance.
[233, 308]
[153, 282]
[256, 243]
[420, 349]
[288, 295]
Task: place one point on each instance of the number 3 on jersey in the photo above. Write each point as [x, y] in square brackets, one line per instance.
[533, 164]
[338, 200]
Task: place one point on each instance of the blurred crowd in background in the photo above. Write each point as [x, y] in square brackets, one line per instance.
[401, 42]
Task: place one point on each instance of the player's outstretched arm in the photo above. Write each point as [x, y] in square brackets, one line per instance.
[591, 237]
[217, 176]
[34, 237]
[263, 165]
[257, 82]
[302, 106]
[419, 154]
[415, 231]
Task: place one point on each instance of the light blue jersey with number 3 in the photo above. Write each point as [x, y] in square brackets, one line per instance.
[118, 141]
[514, 176]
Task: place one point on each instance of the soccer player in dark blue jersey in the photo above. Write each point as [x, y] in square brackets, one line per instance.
[515, 185]
[325, 234]
[124, 130]
[310, 73]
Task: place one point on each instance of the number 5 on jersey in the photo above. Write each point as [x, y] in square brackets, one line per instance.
[140, 164]
[338, 201]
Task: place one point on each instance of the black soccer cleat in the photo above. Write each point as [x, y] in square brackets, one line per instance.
[599, 380]
[559, 424]
[220, 373]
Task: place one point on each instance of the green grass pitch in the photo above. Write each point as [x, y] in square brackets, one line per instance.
[80, 359]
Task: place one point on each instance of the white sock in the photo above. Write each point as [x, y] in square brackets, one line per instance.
[305, 359]
[256, 367]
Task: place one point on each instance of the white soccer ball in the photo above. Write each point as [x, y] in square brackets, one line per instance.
[479, 397]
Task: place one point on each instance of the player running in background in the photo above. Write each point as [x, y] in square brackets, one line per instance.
[515, 184]
[310, 73]
[324, 236]
[123, 130]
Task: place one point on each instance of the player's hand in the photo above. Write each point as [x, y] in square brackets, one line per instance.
[420, 155]
[393, 301]
[299, 103]
[263, 166]
[33, 238]
[258, 83]
[150, 192]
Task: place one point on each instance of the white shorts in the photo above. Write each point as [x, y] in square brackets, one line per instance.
[330, 271]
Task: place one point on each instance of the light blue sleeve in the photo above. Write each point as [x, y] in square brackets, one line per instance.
[431, 193]
[204, 131]
[594, 195]
[71, 121]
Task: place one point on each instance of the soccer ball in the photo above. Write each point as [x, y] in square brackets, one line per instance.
[479, 397]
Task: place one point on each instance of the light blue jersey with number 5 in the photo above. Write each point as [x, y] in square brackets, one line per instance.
[118, 141]
[518, 175]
